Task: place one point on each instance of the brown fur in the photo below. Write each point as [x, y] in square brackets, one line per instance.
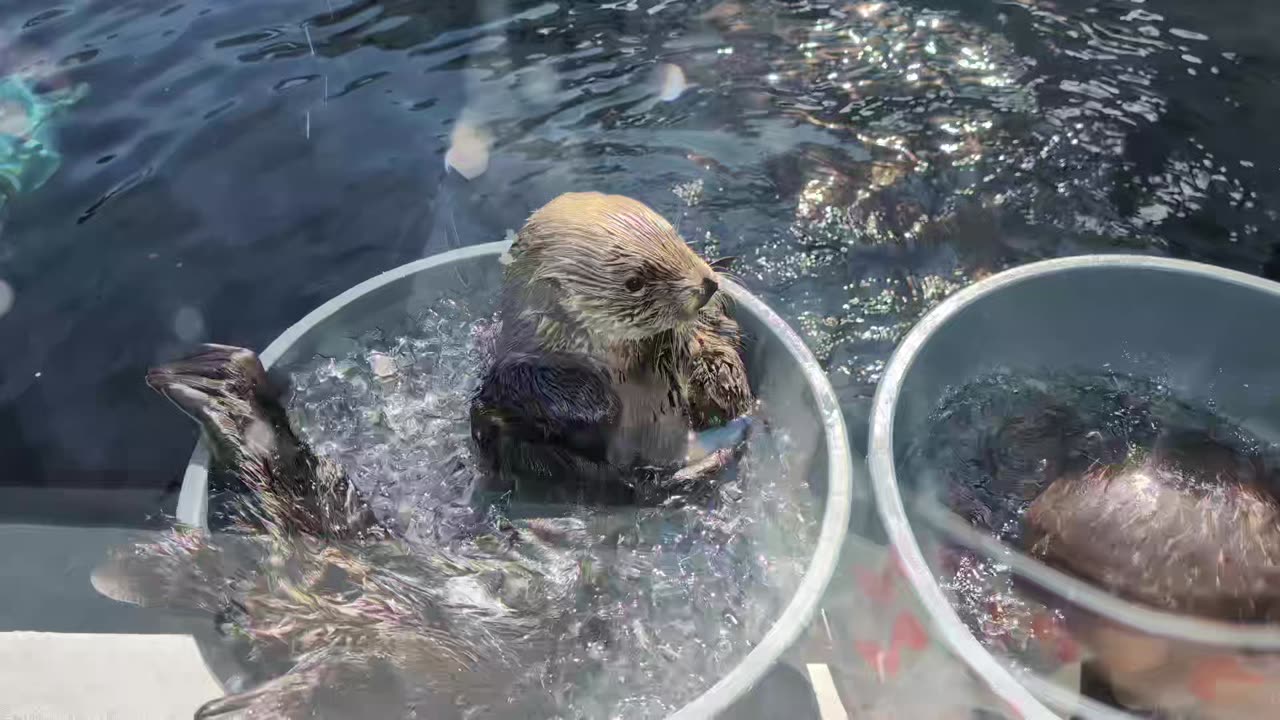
[569, 269]
[1188, 529]
[603, 294]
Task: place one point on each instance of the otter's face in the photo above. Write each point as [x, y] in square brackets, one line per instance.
[613, 265]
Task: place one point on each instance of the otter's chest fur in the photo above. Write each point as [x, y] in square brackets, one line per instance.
[653, 424]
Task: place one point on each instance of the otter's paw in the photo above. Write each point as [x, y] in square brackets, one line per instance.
[209, 377]
[710, 454]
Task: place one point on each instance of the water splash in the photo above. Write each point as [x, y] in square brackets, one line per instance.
[677, 596]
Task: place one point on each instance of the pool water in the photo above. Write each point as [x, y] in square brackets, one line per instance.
[233, 164]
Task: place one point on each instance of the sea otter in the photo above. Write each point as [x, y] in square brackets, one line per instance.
[614, 344]
[1117, 482]
[347, 619]
[1190, 526]
[354, 621]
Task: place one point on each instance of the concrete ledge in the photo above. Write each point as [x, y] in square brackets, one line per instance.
[72, 676]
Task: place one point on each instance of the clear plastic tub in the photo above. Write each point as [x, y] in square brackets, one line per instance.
[781, 368]
[1049, 641]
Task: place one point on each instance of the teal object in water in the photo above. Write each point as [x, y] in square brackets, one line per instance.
[28, 153]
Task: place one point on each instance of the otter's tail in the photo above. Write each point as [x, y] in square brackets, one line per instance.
[226, 390]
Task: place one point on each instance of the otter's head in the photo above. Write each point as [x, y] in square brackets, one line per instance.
[611, 265]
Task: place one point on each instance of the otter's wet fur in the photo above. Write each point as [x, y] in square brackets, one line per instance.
[1116, 481]
[614, 344]
[358, 622]
[1188, 526]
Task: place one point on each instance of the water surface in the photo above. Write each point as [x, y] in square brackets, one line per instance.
[235, 164]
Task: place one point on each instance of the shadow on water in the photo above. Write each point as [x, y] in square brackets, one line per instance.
[235, 164]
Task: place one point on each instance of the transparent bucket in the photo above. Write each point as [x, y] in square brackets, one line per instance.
[1201, 331]
[783, 373]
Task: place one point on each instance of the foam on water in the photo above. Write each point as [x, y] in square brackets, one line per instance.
[681, 595]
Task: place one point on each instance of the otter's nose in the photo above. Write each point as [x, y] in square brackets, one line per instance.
[709, 288]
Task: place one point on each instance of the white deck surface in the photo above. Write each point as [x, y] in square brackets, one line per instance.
[73, 676]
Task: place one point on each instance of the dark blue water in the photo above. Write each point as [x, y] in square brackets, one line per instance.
[236, 163]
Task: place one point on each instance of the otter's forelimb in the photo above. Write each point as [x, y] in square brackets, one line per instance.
[719, 388]
[548, 416]
[552, 415]
[226, 390]
[556, 398]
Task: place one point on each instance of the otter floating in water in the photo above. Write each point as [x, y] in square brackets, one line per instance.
[357, 622]
[1116, 482]
[614, 344]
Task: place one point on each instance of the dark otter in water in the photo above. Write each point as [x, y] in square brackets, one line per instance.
[353, 621]
[614, 344]
[1116, 482]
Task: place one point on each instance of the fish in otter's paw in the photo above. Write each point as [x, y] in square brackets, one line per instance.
[615, 344]
[347, 619]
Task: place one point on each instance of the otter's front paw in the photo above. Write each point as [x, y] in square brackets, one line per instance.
[710, 453]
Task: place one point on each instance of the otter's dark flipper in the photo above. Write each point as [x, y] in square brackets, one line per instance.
[226, 390]
[545, 420]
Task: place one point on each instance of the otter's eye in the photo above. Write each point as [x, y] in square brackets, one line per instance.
[635, 284]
